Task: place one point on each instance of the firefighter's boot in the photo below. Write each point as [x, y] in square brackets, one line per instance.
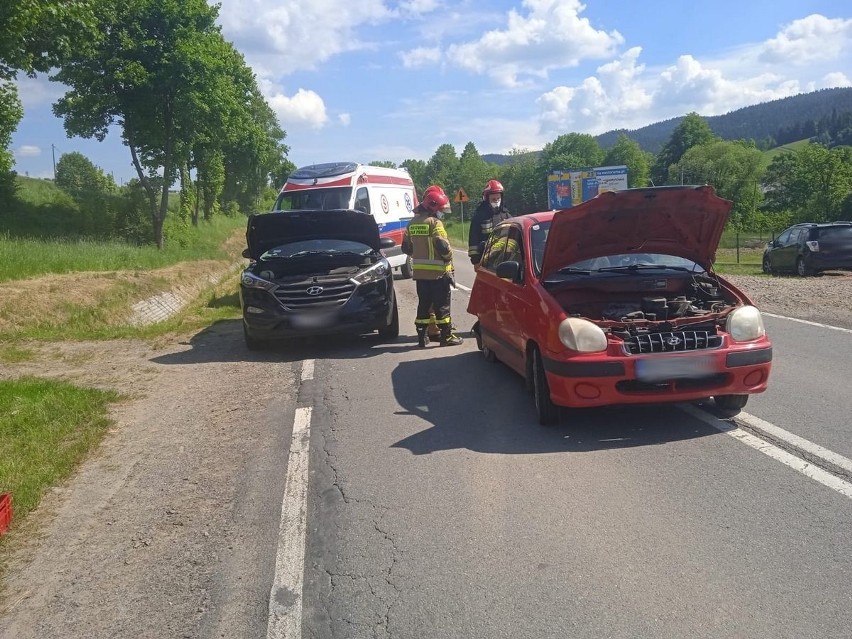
[432, 332]
[448, 338]
[421, 336]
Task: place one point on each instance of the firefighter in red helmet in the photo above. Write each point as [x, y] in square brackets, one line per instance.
[487, 215]
[425, 240]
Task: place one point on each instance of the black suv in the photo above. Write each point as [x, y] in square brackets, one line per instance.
[313, 273]
[810, 249]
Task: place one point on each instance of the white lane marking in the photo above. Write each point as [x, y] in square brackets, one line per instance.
[462, 287]
[806, 468]
[799, 442]
[809, 323]
[308, 370]
[285, 597]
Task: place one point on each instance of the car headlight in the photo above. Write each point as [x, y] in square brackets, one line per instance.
[376, 272]
[744, 324]
[581, 335]
[250, 280]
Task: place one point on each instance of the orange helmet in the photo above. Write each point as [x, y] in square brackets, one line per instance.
[434, 201]
[493, 186]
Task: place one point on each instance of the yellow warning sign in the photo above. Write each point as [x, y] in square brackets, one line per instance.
[461, 196]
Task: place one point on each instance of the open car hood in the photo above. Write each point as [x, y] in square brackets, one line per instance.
[268, 230]
[686, 221]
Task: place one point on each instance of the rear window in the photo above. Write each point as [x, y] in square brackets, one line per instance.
[836, 233]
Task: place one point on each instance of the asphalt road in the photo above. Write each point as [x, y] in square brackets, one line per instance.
[437, 507]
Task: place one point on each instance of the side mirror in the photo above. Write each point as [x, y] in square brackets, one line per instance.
[386, 242]
[509, 271]
[246, 254]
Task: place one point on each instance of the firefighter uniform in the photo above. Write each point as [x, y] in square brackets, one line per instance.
[425, 240]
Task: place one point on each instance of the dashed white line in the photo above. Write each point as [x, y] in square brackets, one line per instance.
[285, 597]
[806, 468]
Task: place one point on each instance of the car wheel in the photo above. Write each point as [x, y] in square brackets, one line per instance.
[480, 344]
[767, 265]
[801, 268]
[406, 270]
[548, 412]
[391, 331]
[731, 404]
[252, 343]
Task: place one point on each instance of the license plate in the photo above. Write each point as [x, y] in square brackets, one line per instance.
[310, 320]
[653, 369]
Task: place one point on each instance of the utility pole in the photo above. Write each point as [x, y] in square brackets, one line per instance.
[53, 150]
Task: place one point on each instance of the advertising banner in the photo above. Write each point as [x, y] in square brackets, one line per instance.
[572, 186]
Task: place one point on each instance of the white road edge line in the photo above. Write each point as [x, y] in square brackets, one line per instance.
[463, 287]
[808, 322]
[806, 468]
[799, 442]
[285, 597]
[308, 370]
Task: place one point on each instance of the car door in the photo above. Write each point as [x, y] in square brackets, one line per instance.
[783, 256]
[488, 288]
[511, 311]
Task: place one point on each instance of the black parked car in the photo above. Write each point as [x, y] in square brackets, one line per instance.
[314, 273]
[809, 249]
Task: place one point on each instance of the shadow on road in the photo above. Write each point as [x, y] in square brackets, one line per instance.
[484, 407]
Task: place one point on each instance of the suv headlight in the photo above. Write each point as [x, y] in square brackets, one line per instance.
[744, 324]
[250, 280]
[376, 272]
[581, 335]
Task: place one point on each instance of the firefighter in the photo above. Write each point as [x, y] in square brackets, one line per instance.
[486, 216]
[425, 240]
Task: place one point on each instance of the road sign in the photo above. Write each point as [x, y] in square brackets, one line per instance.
[461, 196]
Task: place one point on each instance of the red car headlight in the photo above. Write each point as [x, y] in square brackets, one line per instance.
[744, 324]
[581, 335]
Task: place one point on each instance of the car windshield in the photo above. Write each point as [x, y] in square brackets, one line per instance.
[326, 199]
[309, 248]
[630, 262]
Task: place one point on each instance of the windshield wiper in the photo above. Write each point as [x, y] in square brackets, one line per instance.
[571, 269]
[636, 267]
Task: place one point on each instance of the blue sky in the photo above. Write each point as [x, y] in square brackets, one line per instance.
[383, 80]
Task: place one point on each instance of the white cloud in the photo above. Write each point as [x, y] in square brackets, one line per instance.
[835, 80]
[552, 35]
[38, 91]
[420, 56]
[304, 108]
[27, 151]
[278, 38]
[345, 119]
[810, 39]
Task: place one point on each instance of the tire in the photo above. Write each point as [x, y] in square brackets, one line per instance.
[730, 404]
[252, 343]
[391, 331]
[548, 412]
[801, 268]
[767, 265]
[406, 271]
[487, 353]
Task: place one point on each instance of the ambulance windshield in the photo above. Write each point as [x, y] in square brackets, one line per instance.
[324, 199]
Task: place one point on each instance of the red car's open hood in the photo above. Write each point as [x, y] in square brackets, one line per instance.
[686, 221]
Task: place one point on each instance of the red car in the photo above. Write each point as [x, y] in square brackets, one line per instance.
[615, 301]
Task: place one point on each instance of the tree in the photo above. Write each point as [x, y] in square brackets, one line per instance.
[525, 183]
[417, 170]
[383, 163]
[443, 168]
[692, 131]
[155, 69]
[733, 169]
[571, 151]
[638, 162]
[10, 114]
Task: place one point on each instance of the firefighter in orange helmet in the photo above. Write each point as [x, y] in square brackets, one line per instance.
[487, 215]
[425, 240]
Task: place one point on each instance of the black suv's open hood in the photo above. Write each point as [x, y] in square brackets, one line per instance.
[268, 230]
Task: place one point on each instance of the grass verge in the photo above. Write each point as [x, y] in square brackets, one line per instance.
[46, 428]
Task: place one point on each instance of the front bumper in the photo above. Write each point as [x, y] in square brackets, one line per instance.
[369, 308]
[592, 380]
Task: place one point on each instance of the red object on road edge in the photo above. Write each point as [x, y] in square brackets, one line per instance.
[5, 512]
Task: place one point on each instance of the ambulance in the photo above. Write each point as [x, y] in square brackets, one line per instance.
[386, 194]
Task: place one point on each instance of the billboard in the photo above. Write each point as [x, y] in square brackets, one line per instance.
[572, 186]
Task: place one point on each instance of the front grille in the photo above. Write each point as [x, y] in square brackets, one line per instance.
[334, 294]
[671, 342]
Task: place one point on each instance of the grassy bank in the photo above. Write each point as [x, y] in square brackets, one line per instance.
[46, 428]
[26, 258]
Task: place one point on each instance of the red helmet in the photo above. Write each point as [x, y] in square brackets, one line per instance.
[493, 186]
[434, 201]
[433, 187]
